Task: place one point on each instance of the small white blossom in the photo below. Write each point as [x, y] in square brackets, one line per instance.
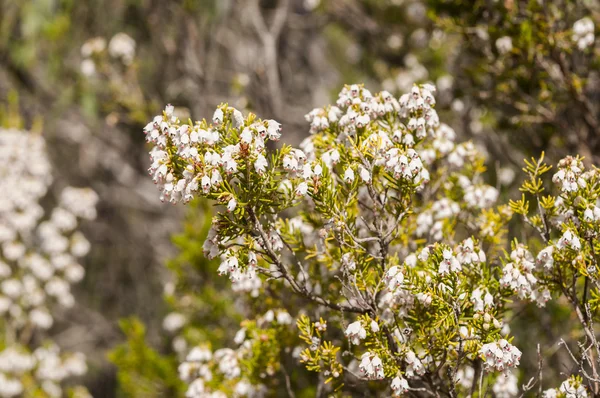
[349, 175]
[570, 240]
[500, 356]
[355, 332]
[504, 44]
[371, 366]
[583, 33]
[231, 205]
[399, 386]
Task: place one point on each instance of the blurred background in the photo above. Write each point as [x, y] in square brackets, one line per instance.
[517, 77]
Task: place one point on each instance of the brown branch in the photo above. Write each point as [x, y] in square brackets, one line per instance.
[301, 290]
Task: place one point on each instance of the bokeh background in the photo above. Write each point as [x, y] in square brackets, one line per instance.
[514, 76]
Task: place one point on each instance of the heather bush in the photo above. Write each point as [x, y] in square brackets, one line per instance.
[372, 260]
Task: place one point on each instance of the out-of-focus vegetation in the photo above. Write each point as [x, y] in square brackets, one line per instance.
[525, 64]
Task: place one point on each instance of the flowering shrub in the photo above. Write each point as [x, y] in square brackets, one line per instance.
[516, 58]
[380, 237]
[38, 263]
[110, 81]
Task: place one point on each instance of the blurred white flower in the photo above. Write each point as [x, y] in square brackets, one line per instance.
[122, 46]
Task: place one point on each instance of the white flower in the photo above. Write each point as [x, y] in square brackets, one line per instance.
[550, 393]
[349, 262]
[481, 303]
[284, 318]
[500, 356]
[569, 239]
[217, 116]
[173, 322]
[573, 389]
[449, 263]
[374, 327]
[414, 365]
[80, 246]
[335, 156]
[364, 174]
[238, 121]
[518, 275]
[205, 184]
[252, 259]
[290, 163]
[41, 318]
[80, 201]
[318, 170]
[545, 258]
[399, 386]
[355, 332]
[87, 67]
[591, 214]
[504, 44]
[411, 260]
[215, 178]
[260, 165]
[199, 354]
[229, 265]
[349, 175]
[480, 196]
[371, 366]
[240, 336]
[569, 176]
[269, 316]
[306, 172]
[276, 241]
[506, 386]
[246, 136]
[273, 130]
[394, 278]
[583, 33]
[122, 46]
[231, 205]
[93, 46]
[302, 189]
[11, 288]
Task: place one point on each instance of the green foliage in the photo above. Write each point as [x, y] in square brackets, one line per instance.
[520, 61]
[142, 371]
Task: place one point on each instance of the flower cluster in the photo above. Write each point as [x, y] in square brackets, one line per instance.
[399, 386]
[482, 303]
[188, 160]
[583, 33]
[207, 372]
[371, 366]
[120, 47]
[500, 356]
[397, 299]
[504, 44]
[356, 332]
[569, 176]
[45, 364]
[39, 259]
[377, 134]
[394, 229]
[570, 240]
[570, 388]
[506, 386]
[518, 276]
[414, 366]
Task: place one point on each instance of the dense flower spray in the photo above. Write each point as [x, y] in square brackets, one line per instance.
[39, 261]
[397, 243]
